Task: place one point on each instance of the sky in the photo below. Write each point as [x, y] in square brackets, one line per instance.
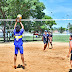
[59, 9]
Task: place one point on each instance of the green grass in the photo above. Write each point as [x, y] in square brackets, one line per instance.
[61, 38]
[29, 38]
[56, 38]
[1, 38]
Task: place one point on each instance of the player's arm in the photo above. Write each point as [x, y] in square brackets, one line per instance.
[21, 25]
[69, 52]
[15, 24]
[22, 30]
[42, 38]
[69, 48]
[49, 38]
[70, 38]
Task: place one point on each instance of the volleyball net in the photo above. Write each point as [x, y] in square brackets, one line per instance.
[34, 29]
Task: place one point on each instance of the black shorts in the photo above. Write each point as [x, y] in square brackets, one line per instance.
[71, 57]
[45, 42]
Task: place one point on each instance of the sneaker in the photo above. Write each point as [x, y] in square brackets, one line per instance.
[23, 67]
[15, 67]
[19, 66]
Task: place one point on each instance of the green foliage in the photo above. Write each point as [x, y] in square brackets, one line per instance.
[61, 38]
[49, 23]
[11, 8]
[61, 29]
[69, 27]
[27, 8]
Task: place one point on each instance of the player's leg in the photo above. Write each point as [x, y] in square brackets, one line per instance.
[15, 56]
[22, 56]
[51, 42]
[48, 43]
[45, 45]
[69, 49]
[71, 52]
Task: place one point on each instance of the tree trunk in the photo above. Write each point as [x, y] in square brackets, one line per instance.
[3, 13]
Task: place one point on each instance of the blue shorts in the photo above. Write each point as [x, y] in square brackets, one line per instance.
[20, 48]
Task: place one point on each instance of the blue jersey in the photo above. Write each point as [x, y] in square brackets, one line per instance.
[18, 37]
[45, 37]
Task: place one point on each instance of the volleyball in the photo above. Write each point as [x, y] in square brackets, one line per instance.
[19, 16]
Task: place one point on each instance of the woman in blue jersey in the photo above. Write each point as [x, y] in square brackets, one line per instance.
[18, 42]
[70, 49]
[45, 39]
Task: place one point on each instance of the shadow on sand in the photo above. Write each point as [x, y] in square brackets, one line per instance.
[50, 48]
[20, 66]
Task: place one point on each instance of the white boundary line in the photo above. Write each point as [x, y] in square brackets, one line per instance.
[34, 19]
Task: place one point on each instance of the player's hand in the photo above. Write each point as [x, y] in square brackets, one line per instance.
[42, 39]
[68, 55]
[19, 20]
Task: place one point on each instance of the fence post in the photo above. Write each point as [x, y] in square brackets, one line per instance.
[7, 36]
[33, 37]
[4, 30]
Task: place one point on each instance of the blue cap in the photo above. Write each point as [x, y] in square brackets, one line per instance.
[45, 30]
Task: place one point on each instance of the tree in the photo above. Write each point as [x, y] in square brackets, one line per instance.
[3, 11]
[27, 8]
[49, 23]
[43, 25]
[11, 8]
[70, 29]
[61, 29]
[69, 26]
